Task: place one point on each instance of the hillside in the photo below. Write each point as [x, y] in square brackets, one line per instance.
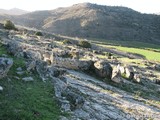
[95, 21]
[47, 76]
[13, 11]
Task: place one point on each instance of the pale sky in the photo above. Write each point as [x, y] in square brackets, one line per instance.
[144, 6]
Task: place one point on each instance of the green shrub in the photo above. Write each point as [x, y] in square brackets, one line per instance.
[38, 34]
[85, 44]
[9, 25]
[67, 42]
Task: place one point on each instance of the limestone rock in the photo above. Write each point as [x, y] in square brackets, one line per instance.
[30, 65]
[74, 64]
[1, 88]
[20, 72]
[27, 79]
[85, 65]
[41, 67]
[116, 75]
[129, 72]
[14, 48]
[137, 78]
[19, 69]
[103, 69]
[76, 101]
[5, 65]
[34, 55]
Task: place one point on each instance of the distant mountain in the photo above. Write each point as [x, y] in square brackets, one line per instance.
[95, 21]
[14, 11]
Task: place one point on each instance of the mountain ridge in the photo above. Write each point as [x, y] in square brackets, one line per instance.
[88, 20]
[13, 11]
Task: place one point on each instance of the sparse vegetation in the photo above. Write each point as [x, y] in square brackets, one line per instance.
[67, 41]
[9, 25]
[39, 33]
[84, 44]
[26, 100]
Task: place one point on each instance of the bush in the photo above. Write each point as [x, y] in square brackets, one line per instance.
[9, 25]
[85, 44]
[38, 34]
[67, 42]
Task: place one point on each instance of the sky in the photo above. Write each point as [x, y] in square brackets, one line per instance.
[143, 6]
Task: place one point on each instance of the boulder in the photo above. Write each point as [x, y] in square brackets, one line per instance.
[74, 64]
[157, 81]
[85, 65]
[129, 73]
[34, 55]
[55, 72]
[157, 67]
[122, 69]
[116, 75]
[14, 48]
[137, 78]
[5, 65]
[103, 69]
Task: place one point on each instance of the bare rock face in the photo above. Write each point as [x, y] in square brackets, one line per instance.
[5, 65]
[103, 69]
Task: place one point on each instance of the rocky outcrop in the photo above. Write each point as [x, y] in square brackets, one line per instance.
[74, 64]
[101, 102]
[30, 54]
[5, 65]
[14, 48]
[103, 69]
[84, 96]
[76, 101]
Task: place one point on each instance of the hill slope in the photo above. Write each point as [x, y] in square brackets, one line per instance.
[14, 11]
[95, 21]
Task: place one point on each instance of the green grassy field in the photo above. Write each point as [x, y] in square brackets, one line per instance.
[148, 54]
[149, 51]
[134, 44]
[26, 100]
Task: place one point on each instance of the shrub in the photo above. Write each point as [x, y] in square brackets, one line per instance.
[67, 42]
[38, 34]
[85, 44]
[9, 25]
